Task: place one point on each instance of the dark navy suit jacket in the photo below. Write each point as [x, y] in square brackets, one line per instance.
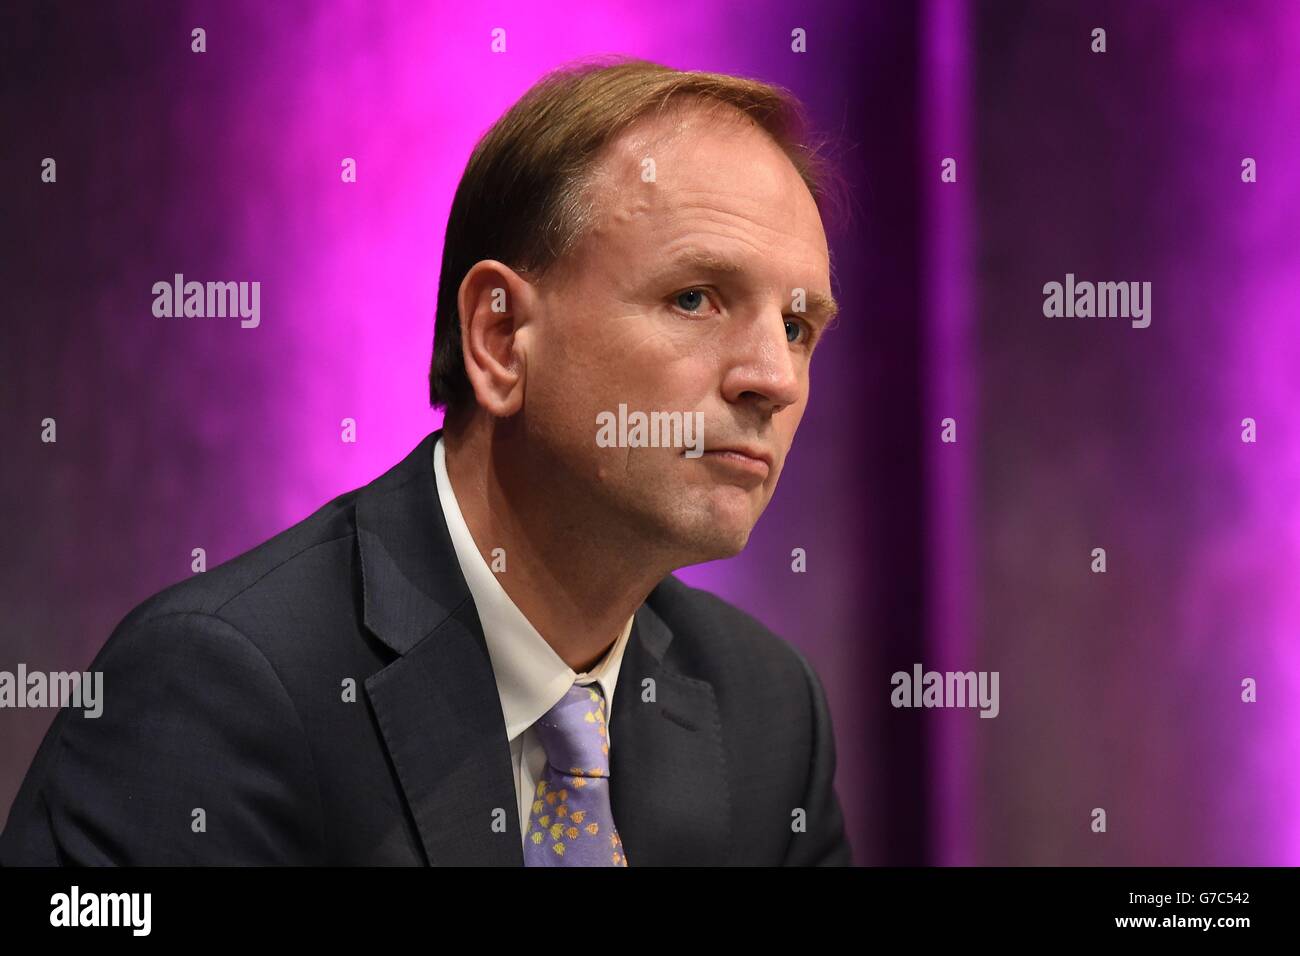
[225, 693]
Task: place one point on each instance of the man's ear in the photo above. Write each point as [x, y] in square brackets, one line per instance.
[496, 303]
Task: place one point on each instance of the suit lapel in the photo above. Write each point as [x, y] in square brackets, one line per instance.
[440, 715]
[437, 704]
[668, 777]
[439, 711]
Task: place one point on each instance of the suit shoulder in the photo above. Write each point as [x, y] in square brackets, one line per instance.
[713, 634]
[207, 592]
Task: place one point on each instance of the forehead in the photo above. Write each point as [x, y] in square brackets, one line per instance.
[705, 175]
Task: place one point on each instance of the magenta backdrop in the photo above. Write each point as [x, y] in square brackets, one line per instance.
[1120, 691]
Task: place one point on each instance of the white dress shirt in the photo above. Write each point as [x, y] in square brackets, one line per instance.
[531, 678]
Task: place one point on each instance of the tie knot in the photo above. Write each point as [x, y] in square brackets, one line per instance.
[573, 733]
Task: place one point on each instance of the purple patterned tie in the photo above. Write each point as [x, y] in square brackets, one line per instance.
[571, 823]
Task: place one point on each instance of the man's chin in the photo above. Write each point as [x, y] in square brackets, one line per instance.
[714, 541]
[706, 530]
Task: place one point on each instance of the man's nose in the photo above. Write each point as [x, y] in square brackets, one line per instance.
[763, 363]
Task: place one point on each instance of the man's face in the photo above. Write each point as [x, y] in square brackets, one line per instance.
[680, 298]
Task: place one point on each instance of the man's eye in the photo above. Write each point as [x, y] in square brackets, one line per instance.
[798, 327]
[691, 300]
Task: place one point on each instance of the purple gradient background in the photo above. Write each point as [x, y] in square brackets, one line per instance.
[1119, 691]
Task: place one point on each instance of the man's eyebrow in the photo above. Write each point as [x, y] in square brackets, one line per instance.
[825, 304]
[702, 260]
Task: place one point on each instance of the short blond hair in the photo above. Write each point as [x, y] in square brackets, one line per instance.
[523, 201]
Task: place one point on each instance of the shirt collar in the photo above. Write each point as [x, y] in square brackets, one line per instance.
[531, 678]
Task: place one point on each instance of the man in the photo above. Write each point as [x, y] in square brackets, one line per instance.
[482, 656]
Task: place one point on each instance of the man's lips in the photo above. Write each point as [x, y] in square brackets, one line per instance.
[748, 451]
[754, 461]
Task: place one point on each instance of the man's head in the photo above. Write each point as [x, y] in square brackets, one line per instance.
[636, 236]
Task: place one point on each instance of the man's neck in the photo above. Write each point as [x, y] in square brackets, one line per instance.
[575, 577]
